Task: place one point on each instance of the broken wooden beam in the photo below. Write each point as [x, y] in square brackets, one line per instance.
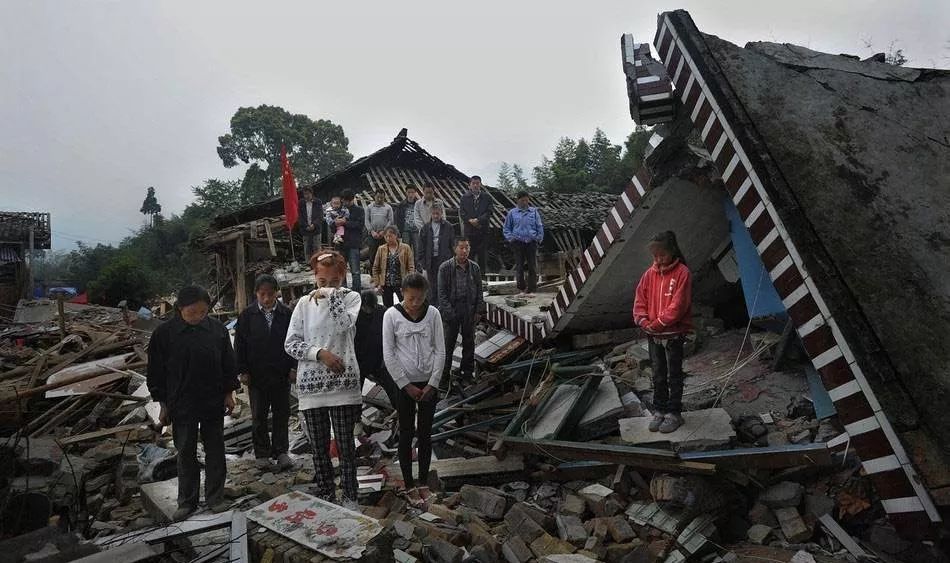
[771, 457]
[624, 455]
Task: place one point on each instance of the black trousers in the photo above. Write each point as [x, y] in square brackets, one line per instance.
[462, 322]
[526, 253]
[667, 359]
[380, 375]
[479, 245]
[264, 400]
[412, 427]
[388, 292]
[185, 434]
[311, 243]
[432, 272]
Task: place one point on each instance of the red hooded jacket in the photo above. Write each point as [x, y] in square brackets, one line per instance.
[662, 304]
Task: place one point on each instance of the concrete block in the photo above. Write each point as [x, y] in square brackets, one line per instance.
[546, 544]
[619, 529]
[521, 523]
[758, 533]
[761, 514]
[488, 503]
[573, 504]
[444, 552]
[782, 495]
[793, 527]
[515, 550]
[571, 529]
[704, 429]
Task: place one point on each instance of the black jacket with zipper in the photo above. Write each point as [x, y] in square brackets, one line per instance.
[260, 352]
[191, 368]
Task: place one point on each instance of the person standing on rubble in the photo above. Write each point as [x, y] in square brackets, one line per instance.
[379, 217]
[192, 375]
[393, 261]
[524, 231]
[266, 368]
[406, 218]
[436, 241]
[461, 303]
[310, 222]
[369, 344]
[352, 237]
[320, 338]
[662, 307]
[424, 205]
[414, 352]
[474, 213]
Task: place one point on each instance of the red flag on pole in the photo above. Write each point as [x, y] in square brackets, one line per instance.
[290, 189]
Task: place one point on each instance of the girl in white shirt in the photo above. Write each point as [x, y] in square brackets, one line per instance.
[414, 353]
[320, 338]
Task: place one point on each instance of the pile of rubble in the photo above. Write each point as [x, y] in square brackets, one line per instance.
[545, 458]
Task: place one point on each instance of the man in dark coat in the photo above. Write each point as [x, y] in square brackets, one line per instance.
[267, 370]
[461, 305]
[436, 244]
[353, 236]
[310, 222]
[475, 212]
[193, 376]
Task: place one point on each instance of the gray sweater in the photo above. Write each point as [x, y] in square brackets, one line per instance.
[378, 217]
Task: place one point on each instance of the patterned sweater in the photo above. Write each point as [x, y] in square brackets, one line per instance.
[327, 323]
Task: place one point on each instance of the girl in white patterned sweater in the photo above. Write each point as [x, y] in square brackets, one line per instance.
[320, 338]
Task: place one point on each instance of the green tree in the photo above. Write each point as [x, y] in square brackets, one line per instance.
[634, 149]
[604, 164]
[122, 279]
[517, 177]
[215, 196]
[315, 148]
[505, 182]
[150, 206]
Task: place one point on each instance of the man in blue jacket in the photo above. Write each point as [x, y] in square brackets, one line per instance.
[524, 230]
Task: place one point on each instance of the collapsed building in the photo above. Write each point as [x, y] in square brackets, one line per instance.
[830, 179]
[812, 382]
[255, 238]
[21, 233]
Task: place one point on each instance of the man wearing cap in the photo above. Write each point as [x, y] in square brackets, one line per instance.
[192, 375]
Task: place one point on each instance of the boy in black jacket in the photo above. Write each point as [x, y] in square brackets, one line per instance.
[267, 370]
[192, 375]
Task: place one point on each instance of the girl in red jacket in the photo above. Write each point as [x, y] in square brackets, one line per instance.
[662, 308]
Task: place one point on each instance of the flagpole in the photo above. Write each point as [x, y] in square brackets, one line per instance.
[293, 257]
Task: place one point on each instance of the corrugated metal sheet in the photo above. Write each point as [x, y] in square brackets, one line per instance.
[9, 254]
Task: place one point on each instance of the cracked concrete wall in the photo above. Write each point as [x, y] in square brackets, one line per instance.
[865, 148]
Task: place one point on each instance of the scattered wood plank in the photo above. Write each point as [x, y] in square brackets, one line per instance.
[626, 455]
[842, 536]
[774, 457]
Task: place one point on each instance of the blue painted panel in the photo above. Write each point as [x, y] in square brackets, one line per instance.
[824, 407]
[761, 298]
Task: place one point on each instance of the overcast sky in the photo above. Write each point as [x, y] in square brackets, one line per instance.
[100, 99]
